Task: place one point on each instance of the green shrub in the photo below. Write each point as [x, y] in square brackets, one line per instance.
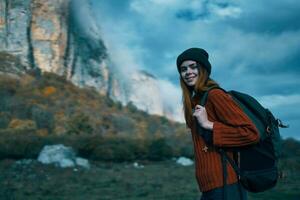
[131, 107]
[152, 127]
[8, 88]
[117, 153]
[86, 144]
[119, 105]
[18, 146]
[52, 79]
[19, 108]
[114, 149]
[291, 148]
[187, 151]
[122, 123]
[4, 120]
[159, 150]
[79, 124]
[109, 102]
[118, 149]
[44, 118]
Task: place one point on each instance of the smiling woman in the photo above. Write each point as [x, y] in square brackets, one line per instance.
[221, 123]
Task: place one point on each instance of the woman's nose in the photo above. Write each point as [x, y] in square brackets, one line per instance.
[189, 70]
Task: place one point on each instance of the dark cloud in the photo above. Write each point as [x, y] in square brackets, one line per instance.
[223, 4]
[205, 12]
[191, 15]
[272, 17]
[263, 84]
[288, 65]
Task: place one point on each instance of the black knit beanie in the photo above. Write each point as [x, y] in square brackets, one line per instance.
[196, 54]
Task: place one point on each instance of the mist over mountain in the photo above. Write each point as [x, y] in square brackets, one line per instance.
[62, 37]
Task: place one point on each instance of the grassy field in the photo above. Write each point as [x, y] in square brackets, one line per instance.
[156, 180]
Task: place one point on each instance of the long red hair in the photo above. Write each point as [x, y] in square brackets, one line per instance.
[203, 83]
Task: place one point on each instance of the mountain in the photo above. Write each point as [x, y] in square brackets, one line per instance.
[48, 35]
[62, 37]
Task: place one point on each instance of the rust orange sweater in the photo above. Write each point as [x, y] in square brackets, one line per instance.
[231, 128]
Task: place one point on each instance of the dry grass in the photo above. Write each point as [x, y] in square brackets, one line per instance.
[116, 181]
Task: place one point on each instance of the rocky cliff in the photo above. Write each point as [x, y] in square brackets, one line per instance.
[51, 36]
[61, 36]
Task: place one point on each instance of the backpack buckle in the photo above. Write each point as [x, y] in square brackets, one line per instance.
[280, 124]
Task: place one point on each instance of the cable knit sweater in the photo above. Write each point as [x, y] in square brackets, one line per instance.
[232, 128]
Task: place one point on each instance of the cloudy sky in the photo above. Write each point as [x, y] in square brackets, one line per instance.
[254, 46]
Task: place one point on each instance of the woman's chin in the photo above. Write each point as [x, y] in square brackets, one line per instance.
[191, 84]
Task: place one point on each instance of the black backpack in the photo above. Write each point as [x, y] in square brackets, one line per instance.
[256, 165]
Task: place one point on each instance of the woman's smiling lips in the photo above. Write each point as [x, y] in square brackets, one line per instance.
[190, 78]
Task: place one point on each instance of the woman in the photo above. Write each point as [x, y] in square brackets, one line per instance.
[223, 125]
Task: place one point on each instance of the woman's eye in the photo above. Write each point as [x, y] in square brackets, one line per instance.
[193, 66]
[183, 69]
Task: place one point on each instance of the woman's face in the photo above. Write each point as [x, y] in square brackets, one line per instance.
[189, 72]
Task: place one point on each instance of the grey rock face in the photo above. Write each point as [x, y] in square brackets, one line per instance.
[47, 35]
[58, 36]
[15, 18]
[86, 55]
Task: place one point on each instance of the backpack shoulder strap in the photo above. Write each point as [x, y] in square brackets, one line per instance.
[205, 94]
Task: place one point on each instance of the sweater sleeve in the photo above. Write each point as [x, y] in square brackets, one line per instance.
[233, 127]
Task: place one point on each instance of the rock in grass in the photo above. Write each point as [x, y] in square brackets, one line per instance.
[61, 156]
[137, 165]
[184, 161]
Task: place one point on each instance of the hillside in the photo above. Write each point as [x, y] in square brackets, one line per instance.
[48, 106]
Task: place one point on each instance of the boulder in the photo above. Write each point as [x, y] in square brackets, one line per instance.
[61, 156]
